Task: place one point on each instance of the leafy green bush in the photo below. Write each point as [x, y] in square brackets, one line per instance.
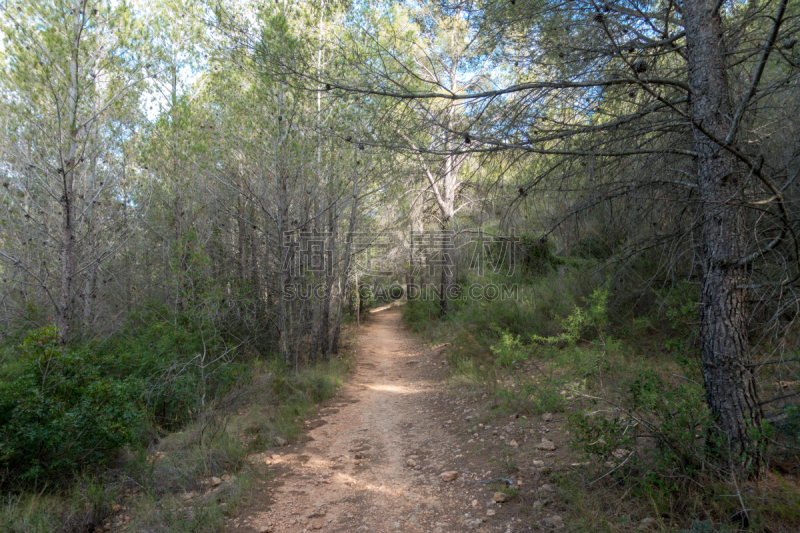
[537, 255]
[674, 417]
[183, 362]
[419, 313]
[594, 317]
[58, 413]
[509, 351]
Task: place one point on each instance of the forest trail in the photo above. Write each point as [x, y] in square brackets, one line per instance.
[373, 458]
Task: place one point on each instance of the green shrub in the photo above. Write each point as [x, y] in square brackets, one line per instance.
[509, 351]
[420, 313]
[58, 413]
[673, 417]
[592, 318]
[537, 255]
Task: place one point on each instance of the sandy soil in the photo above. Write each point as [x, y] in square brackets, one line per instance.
[373, 457]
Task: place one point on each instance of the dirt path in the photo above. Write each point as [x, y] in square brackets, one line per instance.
[374, 458]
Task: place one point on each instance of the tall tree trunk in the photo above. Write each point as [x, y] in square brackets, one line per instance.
[414, 263]
[177, 207]
[242, 233]
[730, 387]
[285, 272]
[255, 276]
[91, 237]
[334, 345]
[64, 319]
[330, 279]
[452, 163]
[448, 262]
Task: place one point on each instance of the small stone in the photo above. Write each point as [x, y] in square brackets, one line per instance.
[280, 441]
[538, 504]
[545, 445]
[116, 508]
[538, 463]
[226, 477]
[475, 503]
[646, 524]
[490, 512]
[472, 523]
[316, 525]
[450, 475]
[265, 529]
[411, 462]
[502, 497]
[547, 417]
[552, 521]
[546, 488]
[620, 453]
[215, 481]
[514, 444]
[359, 456]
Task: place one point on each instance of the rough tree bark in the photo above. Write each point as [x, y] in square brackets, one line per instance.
[730, 387]
[446, 199]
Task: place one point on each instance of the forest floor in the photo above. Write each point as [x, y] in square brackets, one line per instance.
[373, 457]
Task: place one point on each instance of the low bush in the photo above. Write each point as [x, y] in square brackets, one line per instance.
[82, 507]
[509, 351]
[58, 413]
[666, 425]
[420, 314]
[184, 460]
[292, 397]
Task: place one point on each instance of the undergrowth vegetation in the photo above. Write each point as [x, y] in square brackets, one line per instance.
[130, 431]
[629, 386]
